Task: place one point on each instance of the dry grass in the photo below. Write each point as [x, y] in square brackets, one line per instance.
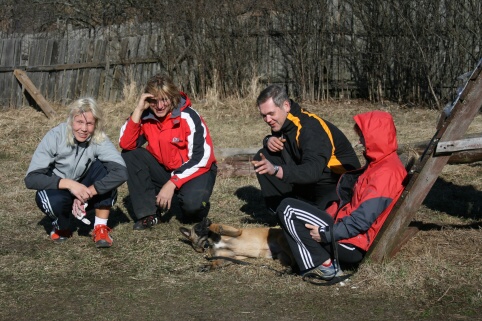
[152, 275]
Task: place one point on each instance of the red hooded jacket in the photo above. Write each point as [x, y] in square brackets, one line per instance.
[367, 195]
[180, 142]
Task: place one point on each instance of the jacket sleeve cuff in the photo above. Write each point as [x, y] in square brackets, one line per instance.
[176, 181]
[325, 234]
[265, 141]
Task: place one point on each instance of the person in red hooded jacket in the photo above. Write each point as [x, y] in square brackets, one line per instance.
[366, 197]
[178, 159]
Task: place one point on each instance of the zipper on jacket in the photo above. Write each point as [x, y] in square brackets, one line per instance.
[86, 168]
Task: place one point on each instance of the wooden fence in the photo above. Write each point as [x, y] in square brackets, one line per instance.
[100, 63]
[63, 69]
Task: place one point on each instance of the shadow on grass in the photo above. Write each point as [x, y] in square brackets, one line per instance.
[455, 200]
[166, 216]
[255, 206]
[438, 227]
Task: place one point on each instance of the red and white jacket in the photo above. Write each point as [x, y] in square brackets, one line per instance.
[367, 195]
[180, 142]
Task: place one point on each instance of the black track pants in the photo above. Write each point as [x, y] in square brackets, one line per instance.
[147, 176]
[293, 215]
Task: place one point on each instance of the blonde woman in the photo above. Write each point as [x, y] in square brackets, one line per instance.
[76, 167]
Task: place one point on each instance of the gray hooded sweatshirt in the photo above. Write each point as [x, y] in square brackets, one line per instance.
[54, 159]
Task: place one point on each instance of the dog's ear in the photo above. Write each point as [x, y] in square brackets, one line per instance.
[202, 228]
[186, 232]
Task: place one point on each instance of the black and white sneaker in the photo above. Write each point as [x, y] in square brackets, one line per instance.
[146, 222]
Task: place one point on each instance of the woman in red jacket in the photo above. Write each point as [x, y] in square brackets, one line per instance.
[366, 197]
[178, 159]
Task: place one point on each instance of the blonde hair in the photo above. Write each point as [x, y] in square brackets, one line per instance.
[162, 86]
[79, 107]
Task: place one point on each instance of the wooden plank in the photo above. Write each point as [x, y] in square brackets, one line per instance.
[96, 74]
[88, 50]
[33, 91]
[85, 65]
[60, 91]
[116, 83]
[8, 54]
[17, 95]
[137, 69]
[73, 56]
[112, 54]
[7, 58]
[458, 145]
[44, 58]
[391, 237]
[2, 46]
[33, 59]
[47, 77]
[4, 92]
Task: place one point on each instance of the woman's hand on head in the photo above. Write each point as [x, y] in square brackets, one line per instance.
[143, 103]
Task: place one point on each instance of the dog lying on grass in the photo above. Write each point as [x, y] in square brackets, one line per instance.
[225, 244]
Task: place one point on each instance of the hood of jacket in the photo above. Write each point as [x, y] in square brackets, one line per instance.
[183, 104]
[379, 132]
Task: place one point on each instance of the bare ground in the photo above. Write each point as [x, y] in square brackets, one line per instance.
[152, 275]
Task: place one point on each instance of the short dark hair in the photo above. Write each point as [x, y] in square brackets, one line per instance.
[277, 92]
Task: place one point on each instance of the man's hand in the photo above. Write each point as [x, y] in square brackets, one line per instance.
[275, 144]
[164, 198]
[263, 166]
[320, 234]
[315, 235]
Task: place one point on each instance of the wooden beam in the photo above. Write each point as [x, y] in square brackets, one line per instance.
[459, 145]
[33, 91]
[84, 65]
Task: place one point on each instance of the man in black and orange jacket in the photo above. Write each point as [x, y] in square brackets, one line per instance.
[303, 157]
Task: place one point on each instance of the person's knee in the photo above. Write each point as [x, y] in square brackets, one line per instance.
[129, 156]
[191, 207]
[283, 207]
[194, 210]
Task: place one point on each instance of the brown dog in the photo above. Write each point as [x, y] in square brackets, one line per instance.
[223, 242]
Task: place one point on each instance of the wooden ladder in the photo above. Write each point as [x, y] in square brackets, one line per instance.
[452, 125]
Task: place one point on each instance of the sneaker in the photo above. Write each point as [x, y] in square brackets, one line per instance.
[101, 236]
[146, 222]
[324, 273]
[60, 236]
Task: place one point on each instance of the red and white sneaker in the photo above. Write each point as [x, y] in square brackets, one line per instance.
[60, 236]
[101, 236]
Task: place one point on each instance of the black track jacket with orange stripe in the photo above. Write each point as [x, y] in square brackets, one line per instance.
[317, 150]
